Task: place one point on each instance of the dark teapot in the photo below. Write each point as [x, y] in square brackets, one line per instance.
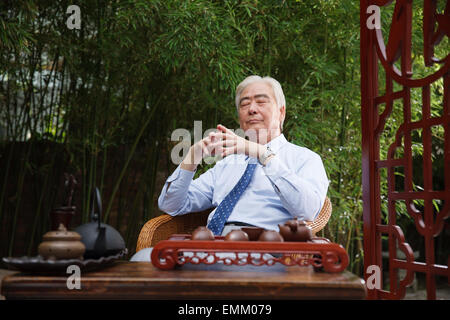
[100, 239]
[295, 230]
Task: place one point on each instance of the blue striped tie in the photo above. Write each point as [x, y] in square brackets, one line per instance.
[226, 206]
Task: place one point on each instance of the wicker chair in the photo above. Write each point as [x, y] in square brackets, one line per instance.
[161, 227]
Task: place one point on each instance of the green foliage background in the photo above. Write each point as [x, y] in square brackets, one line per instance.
[102, 101]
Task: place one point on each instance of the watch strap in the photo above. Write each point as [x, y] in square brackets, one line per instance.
[265, 156]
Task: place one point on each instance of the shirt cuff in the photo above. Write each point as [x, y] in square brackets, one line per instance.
[182, 174]
[273, 170]
[273, 167]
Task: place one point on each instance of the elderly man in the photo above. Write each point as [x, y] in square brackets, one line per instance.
[263, 181]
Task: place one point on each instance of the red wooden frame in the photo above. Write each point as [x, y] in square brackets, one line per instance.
[179, 249]
[429, 224]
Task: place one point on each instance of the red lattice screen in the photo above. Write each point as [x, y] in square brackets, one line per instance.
[390, 177]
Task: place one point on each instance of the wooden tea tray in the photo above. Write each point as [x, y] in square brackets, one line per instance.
[179, 249]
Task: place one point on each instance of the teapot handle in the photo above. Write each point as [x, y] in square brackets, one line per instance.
[96, 197]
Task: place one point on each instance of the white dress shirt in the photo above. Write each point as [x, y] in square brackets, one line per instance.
[292, 184]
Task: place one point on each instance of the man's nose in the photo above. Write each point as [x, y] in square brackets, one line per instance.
[253, 108]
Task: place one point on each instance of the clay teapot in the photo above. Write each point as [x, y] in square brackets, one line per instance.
[236, 235]
[202, 234]
[253, 232]
[295, 230]
[100, 239]
[61, 244]
[271, 236]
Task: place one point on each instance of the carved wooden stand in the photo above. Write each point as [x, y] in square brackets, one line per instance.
[179, 250]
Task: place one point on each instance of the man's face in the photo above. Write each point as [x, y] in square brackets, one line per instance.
[258, 110]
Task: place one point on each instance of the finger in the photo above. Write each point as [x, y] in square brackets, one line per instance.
[217, 151]
[207, 141]
[210, 137]
[224, 129]
[215, 148]
[228, 150]
[205, 151]
[225, 136]
[220, 145]
[198, 152]
[218, 135]
[226, 143]
[214, 136]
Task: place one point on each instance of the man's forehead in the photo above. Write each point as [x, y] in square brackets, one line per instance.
[257, 89]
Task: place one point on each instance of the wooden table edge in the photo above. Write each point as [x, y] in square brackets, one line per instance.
[21, 286]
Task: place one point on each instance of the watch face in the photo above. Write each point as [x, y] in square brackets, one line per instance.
[266, 155]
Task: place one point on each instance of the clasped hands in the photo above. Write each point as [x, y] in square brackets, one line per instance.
[222, 143]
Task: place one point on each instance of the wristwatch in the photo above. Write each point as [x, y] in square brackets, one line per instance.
[265, 156]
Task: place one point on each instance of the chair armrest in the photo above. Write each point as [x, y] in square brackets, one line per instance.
[163, 226]
[322, 218]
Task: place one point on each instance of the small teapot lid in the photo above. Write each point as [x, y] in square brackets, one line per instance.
[62, 234]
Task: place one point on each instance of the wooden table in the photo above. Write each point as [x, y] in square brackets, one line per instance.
[141, 280]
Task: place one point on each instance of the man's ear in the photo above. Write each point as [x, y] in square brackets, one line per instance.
[282, 114]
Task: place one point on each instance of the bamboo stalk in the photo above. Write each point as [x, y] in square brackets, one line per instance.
[153, 180]
[19, 198]
[133, 149]
[133, 212]
[44, 189]
[349, 234]
[37, 216]
[105, 136]
[25, 162]
[84, 193]
[5, 180]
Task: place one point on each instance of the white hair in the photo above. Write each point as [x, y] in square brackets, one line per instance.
[274, 84]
